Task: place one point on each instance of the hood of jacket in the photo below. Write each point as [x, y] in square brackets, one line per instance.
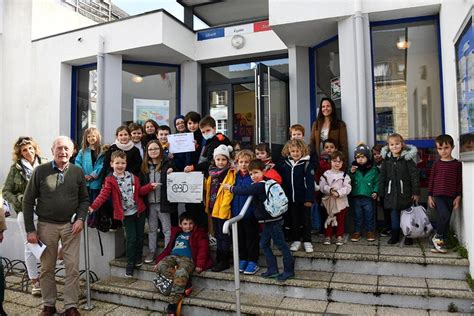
[408, 152]
[294, 163]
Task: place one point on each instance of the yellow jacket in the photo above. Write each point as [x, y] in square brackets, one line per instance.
[224, 198]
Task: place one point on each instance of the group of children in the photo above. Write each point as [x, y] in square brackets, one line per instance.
[134, 172]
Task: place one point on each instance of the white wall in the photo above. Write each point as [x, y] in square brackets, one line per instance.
[452, 15]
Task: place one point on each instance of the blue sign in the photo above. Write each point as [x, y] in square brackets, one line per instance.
[209, 34]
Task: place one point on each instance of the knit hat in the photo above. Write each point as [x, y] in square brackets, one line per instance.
[223, 150]
[362, 149]
[177, 118]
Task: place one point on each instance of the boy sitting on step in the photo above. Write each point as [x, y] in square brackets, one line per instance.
[187, 251]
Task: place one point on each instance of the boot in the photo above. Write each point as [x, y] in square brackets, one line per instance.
[395, 237]
[218, 259]
[223, 264]
[272, 268]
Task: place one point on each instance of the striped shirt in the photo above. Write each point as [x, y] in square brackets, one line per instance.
[446, 179]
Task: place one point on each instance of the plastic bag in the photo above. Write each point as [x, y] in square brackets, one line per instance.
[414, 222]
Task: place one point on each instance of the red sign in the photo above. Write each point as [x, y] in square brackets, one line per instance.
[261, 26]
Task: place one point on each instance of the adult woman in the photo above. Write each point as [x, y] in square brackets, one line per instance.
[26, 157]
[328, 125]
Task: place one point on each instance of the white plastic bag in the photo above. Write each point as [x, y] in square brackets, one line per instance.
[414, 222]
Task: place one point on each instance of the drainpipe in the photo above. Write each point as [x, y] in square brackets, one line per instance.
[362, 128]
[100, 85]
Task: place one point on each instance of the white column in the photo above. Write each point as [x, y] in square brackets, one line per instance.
[112, 110]
[298, 63]
[65, 120]
[191, 87]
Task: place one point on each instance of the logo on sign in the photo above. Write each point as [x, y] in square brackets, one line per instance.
[179, 188]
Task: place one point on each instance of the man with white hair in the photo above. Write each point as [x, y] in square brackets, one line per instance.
[57, 193]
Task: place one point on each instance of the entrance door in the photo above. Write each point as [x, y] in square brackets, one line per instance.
[271, 107]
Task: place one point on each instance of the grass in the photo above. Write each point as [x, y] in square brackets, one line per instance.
[470, 281]
[452, 242]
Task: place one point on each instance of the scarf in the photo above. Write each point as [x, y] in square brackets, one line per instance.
[28, 168]
[124, 147]
[217, 176]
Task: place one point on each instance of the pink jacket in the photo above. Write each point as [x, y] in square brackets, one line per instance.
[339, 181]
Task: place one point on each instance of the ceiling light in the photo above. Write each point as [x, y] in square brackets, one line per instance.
[137, 79]
[402, 43]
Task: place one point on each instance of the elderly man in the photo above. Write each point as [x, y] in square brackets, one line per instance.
[57, 193]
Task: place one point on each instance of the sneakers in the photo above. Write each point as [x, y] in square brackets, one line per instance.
[282, 277]
[327, 241]
[139, 262]
[48, 311]
[269, 274]
[355, 237]
[129, 271]
[35, 289]
[295, 246]
[252, 268]
[308, 247]
[150, 258]
[339, 241]
[212, 242]
[243, 265]
[385, 232]
[438, 244]
[71, 311]
[370, 236]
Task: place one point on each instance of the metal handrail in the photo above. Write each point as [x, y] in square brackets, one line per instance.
[235, 246]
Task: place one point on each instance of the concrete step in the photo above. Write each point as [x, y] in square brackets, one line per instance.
[142, 294]
[401, 292]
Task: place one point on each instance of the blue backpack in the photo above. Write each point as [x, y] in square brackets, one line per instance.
[276, 202]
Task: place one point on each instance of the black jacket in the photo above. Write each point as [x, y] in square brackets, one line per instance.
[208, 152]
[297, 179]
[258, 191]
[134, 161]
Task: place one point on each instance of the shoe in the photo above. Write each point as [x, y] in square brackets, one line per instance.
[385, 232]
[408, 241]
[308, 247]
[242, 265]
[171, 309]
[370, 236]
[252, 268]
[35, 289]
[339, 241]
[139, 262]
[355, 237]
[438, 244]
[394, 237]
[150, 258]
[129, 271]
[48, 311]
[212, 242]
[223, 264]
[327, 241]
[295, 246]
[282, 277]
[270, 274]
[71, 311]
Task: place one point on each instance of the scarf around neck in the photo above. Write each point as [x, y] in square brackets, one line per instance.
[29, 167]
[124, 147]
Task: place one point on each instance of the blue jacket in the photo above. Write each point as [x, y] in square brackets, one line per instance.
[258, 191]
[239, 200]
[298, 179]
[84, 161]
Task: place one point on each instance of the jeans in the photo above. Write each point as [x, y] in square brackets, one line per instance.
[444, 208]
[134, 233]
[274, 231]
[395, 218]
[364, 212]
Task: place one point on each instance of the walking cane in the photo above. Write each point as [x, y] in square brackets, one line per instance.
[88, 306]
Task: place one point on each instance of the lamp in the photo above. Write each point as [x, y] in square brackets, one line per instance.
[402, 43]
[137, 79]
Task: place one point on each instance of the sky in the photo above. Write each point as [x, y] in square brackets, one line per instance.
[134, 7]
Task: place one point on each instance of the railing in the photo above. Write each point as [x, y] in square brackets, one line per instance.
[235, 246]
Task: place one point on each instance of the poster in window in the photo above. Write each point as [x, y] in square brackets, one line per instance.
[335, 88]
[158, 110]
[465, 89]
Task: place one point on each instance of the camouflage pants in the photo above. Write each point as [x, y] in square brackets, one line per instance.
[178, 269]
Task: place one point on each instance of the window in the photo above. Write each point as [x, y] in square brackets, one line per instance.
[84, 109]
[149, 91]
[406, 72]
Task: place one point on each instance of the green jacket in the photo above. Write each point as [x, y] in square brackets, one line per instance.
[15, 184]
[365, 184]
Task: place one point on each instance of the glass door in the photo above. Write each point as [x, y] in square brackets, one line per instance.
[271, 108]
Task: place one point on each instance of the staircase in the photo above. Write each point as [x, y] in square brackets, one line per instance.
[356, 278]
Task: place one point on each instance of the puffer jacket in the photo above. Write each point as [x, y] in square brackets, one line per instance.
[298, 179]
[238, 201]
[365, 183]
[15, 184]
[222, 205]
[399, 178]
[84, 160]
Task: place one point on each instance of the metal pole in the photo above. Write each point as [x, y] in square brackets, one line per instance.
[269, 108]
[88, 306]
[235, 245]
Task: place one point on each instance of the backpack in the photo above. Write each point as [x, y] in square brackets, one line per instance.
[276, 202]
[414, 222]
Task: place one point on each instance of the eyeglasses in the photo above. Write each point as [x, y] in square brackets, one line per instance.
[23, 140]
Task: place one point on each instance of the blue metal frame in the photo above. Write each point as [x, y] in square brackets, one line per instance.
[312, 75]
[75, 70]
[422, 143]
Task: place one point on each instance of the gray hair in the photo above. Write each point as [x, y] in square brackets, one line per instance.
[65, 138]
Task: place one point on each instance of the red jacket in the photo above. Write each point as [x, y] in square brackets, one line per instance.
[111, 188]
[199, 243]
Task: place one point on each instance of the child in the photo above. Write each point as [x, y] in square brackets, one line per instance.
[272, 226]
[163, 132]
[126, 192]
[335, 184]
[262, 152]
[444, 189]
[155, 169]
[377, 157]
[218, 203]
[91, 159]
[187, 250]
[399, 181]
[297, 131]
[151, 129]
[248, 226]
[365, 186]
[192, 120]
[297, 172]
[136, 132]
[211, 140]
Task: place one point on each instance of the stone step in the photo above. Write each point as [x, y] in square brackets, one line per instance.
[142, 294]
[403, 292]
